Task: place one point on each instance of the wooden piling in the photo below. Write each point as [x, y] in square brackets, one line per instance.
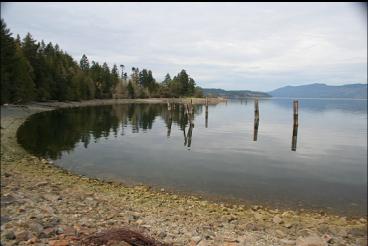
[295, 125]
[296, 111]
[256, 108]
[255, 130]
[256, 120]
[206, 117]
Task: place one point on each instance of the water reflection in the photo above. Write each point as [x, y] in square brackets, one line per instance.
[295, 125]
[70, 126]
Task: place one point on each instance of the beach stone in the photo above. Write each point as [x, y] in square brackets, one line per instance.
[196, 239]
[7, 199]
[254, 227]
[51, 198]
[162, 235]
[43, 183]
[358, 231]
[9, 235]
[312, 240]
[258, 216]
[277, 220]
[327, 238]
[63, 242]
[256, 207]
[288, 225]
[36, 228]
[23, 236]
[280, 233]
[287, 242]
[4, 219]
[48, 232]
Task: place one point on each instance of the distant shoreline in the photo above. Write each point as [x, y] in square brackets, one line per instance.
[319, 98]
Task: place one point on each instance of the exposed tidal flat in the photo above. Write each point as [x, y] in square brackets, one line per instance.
[44, 204]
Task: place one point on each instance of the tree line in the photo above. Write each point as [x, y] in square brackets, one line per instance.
[36, 71]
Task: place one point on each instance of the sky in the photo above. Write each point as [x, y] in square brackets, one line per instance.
[234, 46]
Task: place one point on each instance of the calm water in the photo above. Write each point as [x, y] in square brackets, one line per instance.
[145, 143]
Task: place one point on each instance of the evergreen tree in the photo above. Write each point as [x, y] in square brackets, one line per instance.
[32, 70]
[7, 56]
[22, 80]
[167, 80]
[84, 63]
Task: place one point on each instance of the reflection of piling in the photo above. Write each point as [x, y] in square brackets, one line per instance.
[206, 112]
[256, 120]
[295, 125]
[169, 127]
[191, 107]
[168, 105]
[191, 125]
[185, 137]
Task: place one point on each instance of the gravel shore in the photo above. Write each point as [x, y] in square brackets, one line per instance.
[42, 204]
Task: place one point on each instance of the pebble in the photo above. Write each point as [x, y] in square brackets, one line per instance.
[358, 232]
[287, 242]
[23, 235]
[36, 228]
[312, 240]
[63, 242]
[280, 233]
[196, 239]
[258, 216]
[288, 225]
[39, 184]
[277, 220]
[9, 235]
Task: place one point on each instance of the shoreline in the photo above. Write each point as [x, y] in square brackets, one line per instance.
[35, 191]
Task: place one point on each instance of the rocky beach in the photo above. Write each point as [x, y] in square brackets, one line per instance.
[42, 204]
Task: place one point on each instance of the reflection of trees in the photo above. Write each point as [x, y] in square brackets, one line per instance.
[49, 133]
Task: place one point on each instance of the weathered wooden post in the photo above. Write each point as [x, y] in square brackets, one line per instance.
[206, 123]
[256, 120]
[295, 125]
[296, 109]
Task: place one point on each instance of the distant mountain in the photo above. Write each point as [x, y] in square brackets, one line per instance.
[322, 91]
[233, 94]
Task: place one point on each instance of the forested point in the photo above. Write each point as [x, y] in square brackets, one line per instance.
[35, 71]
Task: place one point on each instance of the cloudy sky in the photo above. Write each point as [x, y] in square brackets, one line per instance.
[256, 46]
